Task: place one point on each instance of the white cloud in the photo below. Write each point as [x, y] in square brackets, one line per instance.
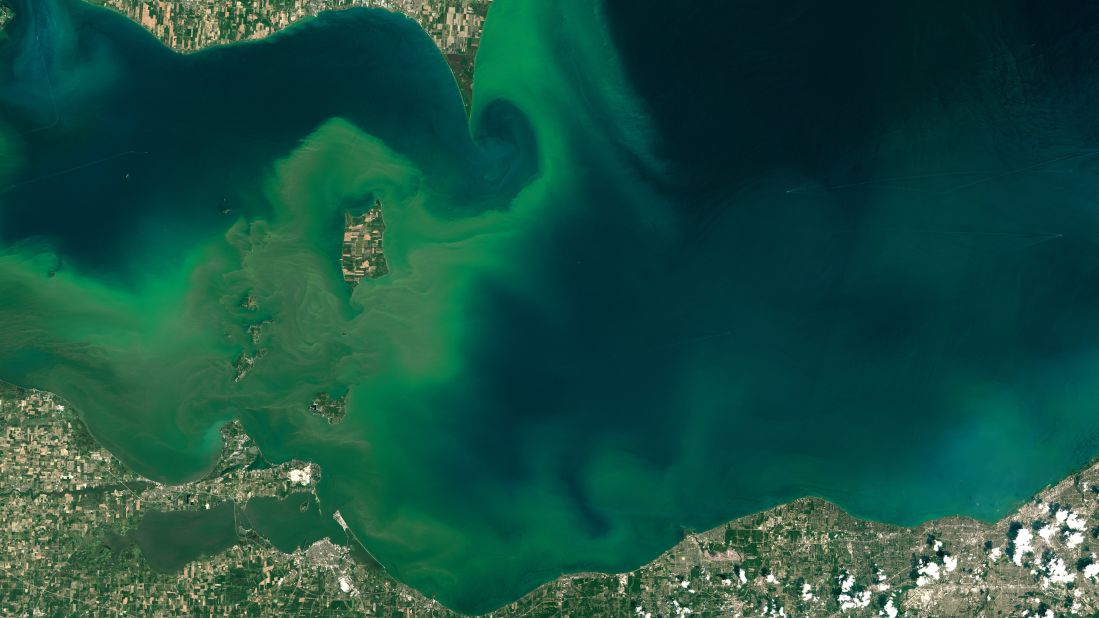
[1022, 545]
[1058, 573]
[927, 573]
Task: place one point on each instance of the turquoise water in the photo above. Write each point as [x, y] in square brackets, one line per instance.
[679, 266]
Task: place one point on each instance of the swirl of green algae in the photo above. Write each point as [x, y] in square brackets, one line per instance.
[416, 324]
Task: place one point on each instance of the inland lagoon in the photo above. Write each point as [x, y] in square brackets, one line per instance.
[679, 265]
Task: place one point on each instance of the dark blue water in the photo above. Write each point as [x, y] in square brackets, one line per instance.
[127, 147]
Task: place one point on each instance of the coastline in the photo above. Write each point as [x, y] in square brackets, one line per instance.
[749, 557]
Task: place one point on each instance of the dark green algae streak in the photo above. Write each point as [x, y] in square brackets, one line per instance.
[668, 281]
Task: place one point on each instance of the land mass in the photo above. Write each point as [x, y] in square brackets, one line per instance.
[454, 25]
[72, 512]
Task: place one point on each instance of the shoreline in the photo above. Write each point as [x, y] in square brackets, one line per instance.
[826, 509]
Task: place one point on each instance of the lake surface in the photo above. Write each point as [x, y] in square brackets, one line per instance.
[292, 522]
[170, 540]
[679, 266]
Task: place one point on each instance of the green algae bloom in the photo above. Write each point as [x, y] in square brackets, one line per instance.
[604, 320]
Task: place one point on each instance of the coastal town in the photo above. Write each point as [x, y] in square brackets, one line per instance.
[70, 506]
